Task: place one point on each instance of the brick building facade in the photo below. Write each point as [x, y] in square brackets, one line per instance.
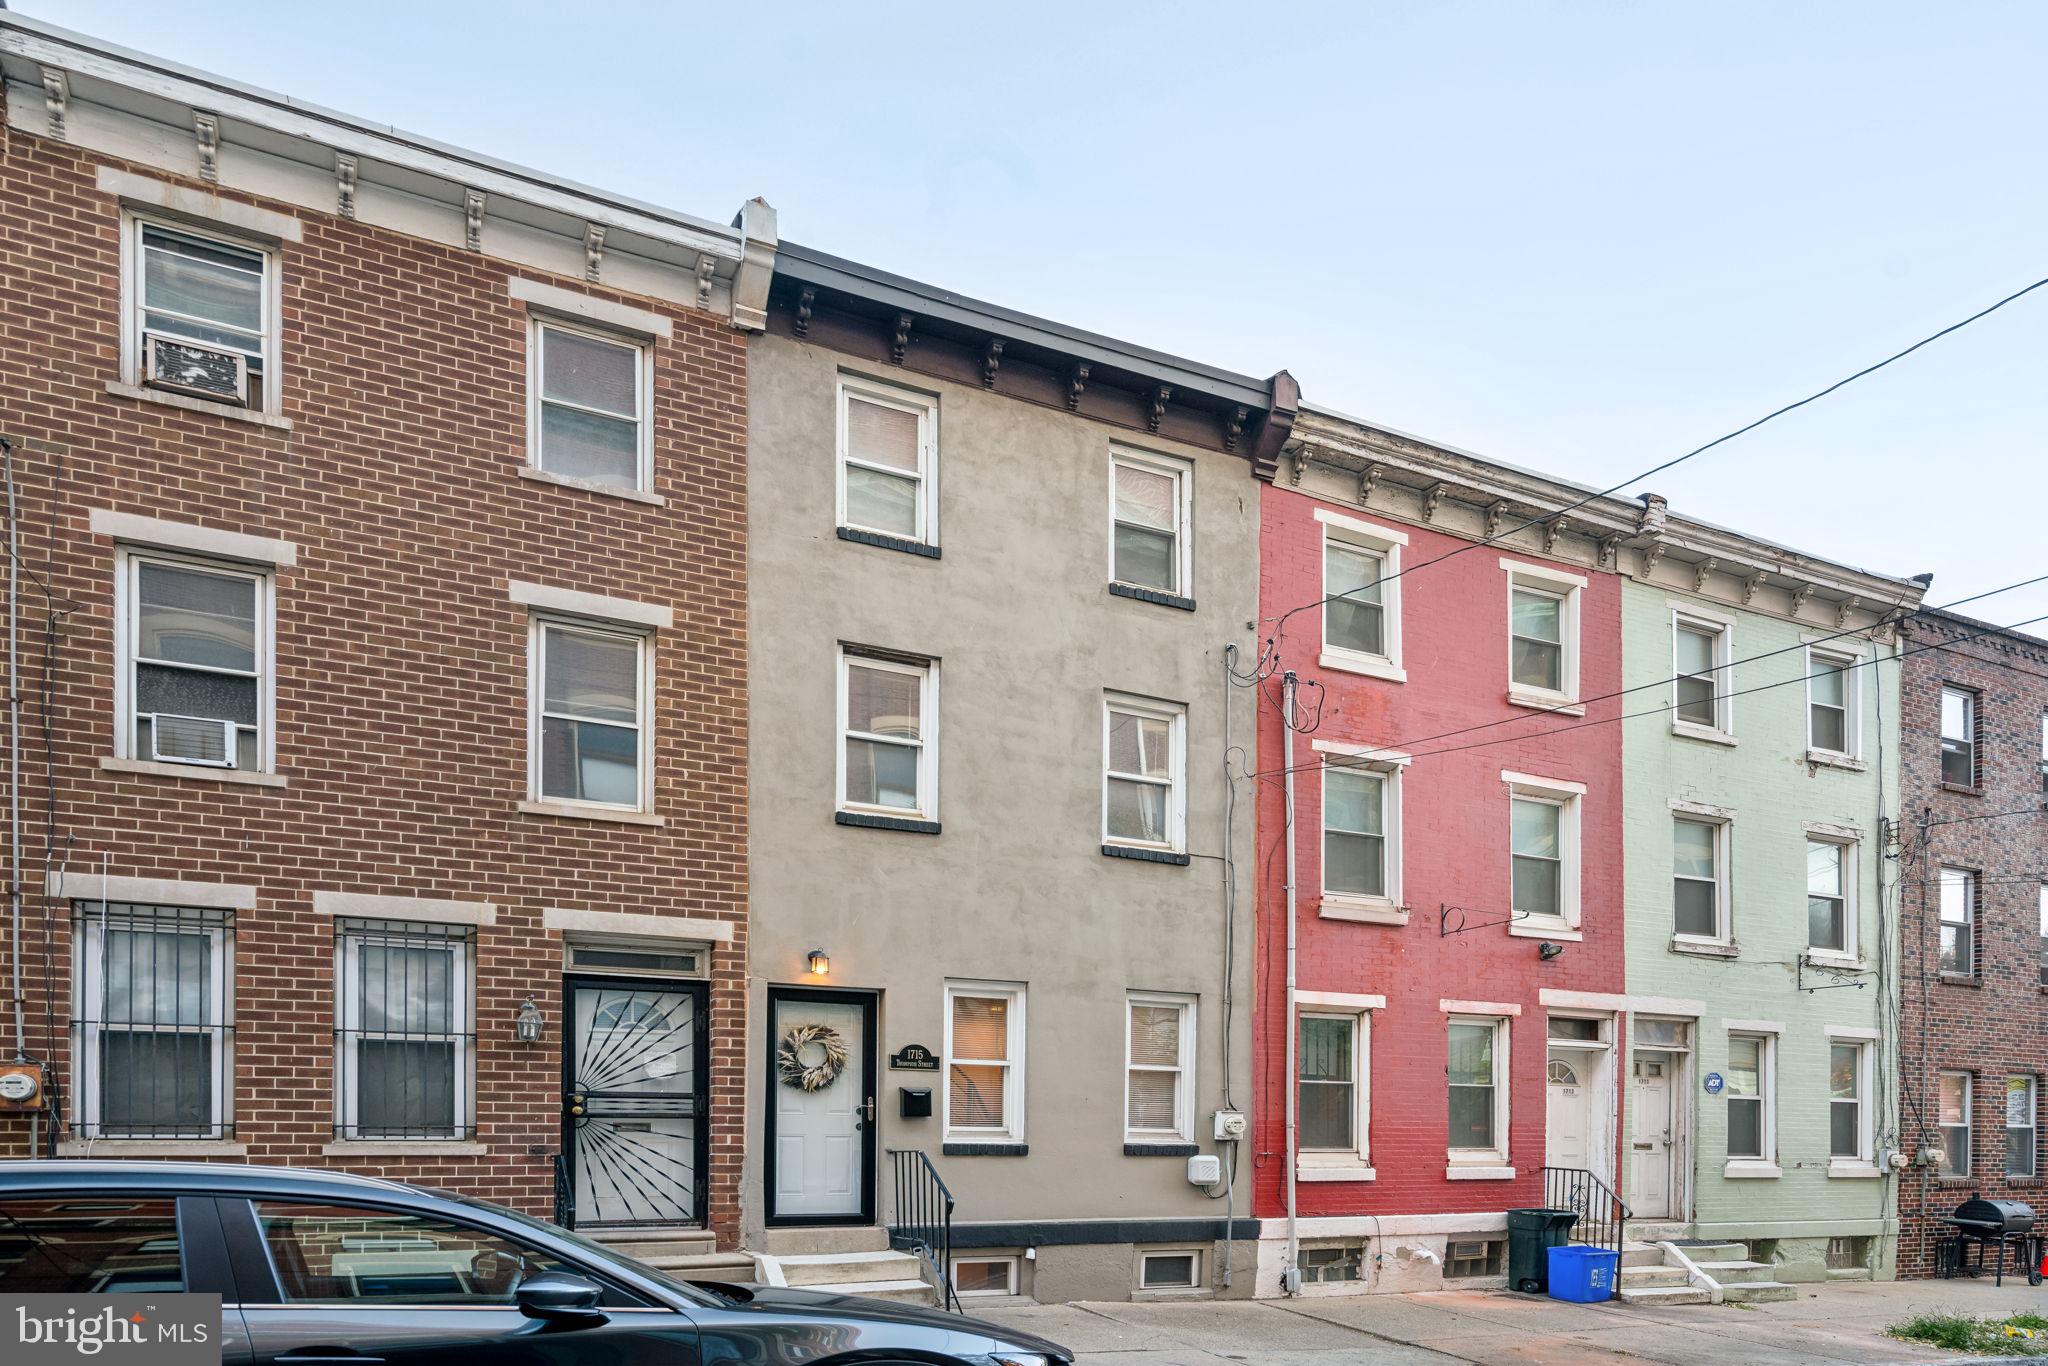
[379, 685]
[1973, 911]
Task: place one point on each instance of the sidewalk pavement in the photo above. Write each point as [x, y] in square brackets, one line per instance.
[1826, 1325]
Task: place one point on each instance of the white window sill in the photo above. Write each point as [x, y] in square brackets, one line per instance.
[1455, 1173]
[152, 1147]
[1363, 910]
[1749, 1169]
[1705, 948]
[1546, 927]
[590, 813]
[1690, 730]
[1825, 958]
[1368, 666]
[151, 769]
[540, 476]
[1853, 1170]
[1332, 1168]
[405, 1147]
[198, 405]
[1556, 703]
[1827, 758]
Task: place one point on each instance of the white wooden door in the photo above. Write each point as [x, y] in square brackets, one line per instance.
[820, 1151]
[1568, 1117]
[1649, 1163]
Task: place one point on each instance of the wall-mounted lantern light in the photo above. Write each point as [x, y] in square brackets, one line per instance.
[1548, 950]
[529, 1023]
[820, 964]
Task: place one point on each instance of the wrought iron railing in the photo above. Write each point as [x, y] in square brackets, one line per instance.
[921, 1217]
[565, 1193]
[1602, 1213]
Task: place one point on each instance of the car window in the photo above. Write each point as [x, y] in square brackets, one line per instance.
[92, 1247]
[597, 1254]
[337, 1254]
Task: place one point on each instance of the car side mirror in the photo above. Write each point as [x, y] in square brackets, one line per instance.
[560, 1297]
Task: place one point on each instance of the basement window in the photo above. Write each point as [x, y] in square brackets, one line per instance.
[1469, 1258]
[1333, 1264]
[1178, 1269]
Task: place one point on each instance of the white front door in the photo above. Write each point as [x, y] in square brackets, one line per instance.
[1649, 1166]
[820, 1147]
[1568, 1120]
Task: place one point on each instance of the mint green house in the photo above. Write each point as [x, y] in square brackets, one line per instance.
[1761, 966]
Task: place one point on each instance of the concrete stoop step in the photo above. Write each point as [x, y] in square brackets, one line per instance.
[1648, 1277]
[687, 1254]
[875, 1275]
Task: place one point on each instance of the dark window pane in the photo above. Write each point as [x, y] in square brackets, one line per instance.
[1353, 864]
[590, 373]
[1350, 624]
[1145, 557]
[1958, 763]
[88, 1247]
[1326, 1112]
[188, 616]
[880, 774]
[580, 445]
[328, 1254]
[1693, 904]
[183, 692]
[1745, 1128]
[881, 502]
[405, 1088]
[1830, 730]
[1696, 700]
[1538, 664]
[586, 762]
[156, 1083]
[1843, 1139]
[1471, 1116]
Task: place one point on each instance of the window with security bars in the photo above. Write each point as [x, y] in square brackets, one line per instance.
[153, 1038]
[193, 686]
[403, 1036]
[1156, 1091]
[984, 1062]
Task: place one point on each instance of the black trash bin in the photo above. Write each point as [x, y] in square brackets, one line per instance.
[1531, 1235]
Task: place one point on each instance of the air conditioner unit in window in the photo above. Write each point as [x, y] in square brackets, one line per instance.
[192, 740]
[188, 367]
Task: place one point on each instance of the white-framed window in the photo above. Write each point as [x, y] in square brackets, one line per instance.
[984, 1277]
[1333, 1081]
[888, 735]
[403, 1027]
[1159, 1068]
[590, 397]
[888, 460]
[1956, 893]
[1834, 714]
[2021, 1127]
[1144, 773]
[1170, 1269]
[2044, 934]
[1958, 737]
[155, 1033]
[1952, 1101]
[1477, 1074]
[199, 288]
[1701, 654]
[1543, 853]
[591, 733]
[1543, 634]
[985, 1061]
[1831, 896]
[1750, 1093]
[195, 682]
[1361, 597]
[1361, 822]
[1849, 1116]
[1699, 879]
[2044, 751]
[1149, 522]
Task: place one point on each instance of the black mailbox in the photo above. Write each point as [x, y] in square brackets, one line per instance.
[916, 1101]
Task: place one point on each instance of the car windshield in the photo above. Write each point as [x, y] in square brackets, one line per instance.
[592, 1251]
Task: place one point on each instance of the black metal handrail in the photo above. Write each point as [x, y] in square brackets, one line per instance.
[921, 1217]
[565, 1194]
[1602, 1213]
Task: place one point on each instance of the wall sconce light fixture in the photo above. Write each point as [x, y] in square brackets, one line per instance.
[819, 963]
[1548, 950]
[529, 1023]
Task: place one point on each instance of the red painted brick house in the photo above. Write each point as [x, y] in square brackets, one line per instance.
[385, 508]
[1973, 923]
[1457, 910]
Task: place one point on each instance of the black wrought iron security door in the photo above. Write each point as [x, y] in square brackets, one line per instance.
[634, 1101]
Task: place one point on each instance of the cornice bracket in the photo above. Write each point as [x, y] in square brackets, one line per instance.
[1157, 412]
[473, 219]
[56, 100]
[345, 184]
[1553, 529]
[706, 264]
[1701, 572]
[1651, 556]
[1233, 427]
[1432, 499]
[1799, 598]
[206, 132]
[1750, 586]
[1368, 480]
[900, 342]
[1298, 464]
[991, 361]
[1848, 605]
[1076, 383]
[804, 300]
[1496, 513]
[1610, 552]
[593, 255]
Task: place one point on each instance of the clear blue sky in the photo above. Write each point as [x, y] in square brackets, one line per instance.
[1580, 237]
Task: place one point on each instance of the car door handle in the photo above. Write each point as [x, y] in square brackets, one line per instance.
[325, 1355]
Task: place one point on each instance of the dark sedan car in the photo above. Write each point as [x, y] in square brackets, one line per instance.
[321, 1267]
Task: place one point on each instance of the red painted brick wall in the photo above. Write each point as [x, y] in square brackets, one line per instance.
[1995, 1024]
[401, 696]
[1455, 837]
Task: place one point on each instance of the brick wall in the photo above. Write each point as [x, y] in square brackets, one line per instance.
[401, 709]
[1992, 1024]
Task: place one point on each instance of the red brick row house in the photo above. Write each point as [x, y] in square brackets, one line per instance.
[383, 559]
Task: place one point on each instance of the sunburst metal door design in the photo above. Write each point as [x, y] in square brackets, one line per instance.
[636, 1103]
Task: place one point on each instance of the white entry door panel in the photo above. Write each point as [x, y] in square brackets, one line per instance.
[820, 1148]
[1649, 1164]
[1568, 1118]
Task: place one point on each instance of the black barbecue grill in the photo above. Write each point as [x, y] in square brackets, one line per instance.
[1980, 1224]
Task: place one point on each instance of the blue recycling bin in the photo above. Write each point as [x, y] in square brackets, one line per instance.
[1583, 1275]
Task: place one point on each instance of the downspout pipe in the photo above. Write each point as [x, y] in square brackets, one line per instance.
[1290, 1275]
[14, 749]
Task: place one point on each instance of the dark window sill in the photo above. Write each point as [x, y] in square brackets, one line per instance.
[899, 823]
[1152, 595]
[1961, 979]
[1963, 789]
[1145, 855]
[1161, 1150]
[985, 1149]
[881, 542]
